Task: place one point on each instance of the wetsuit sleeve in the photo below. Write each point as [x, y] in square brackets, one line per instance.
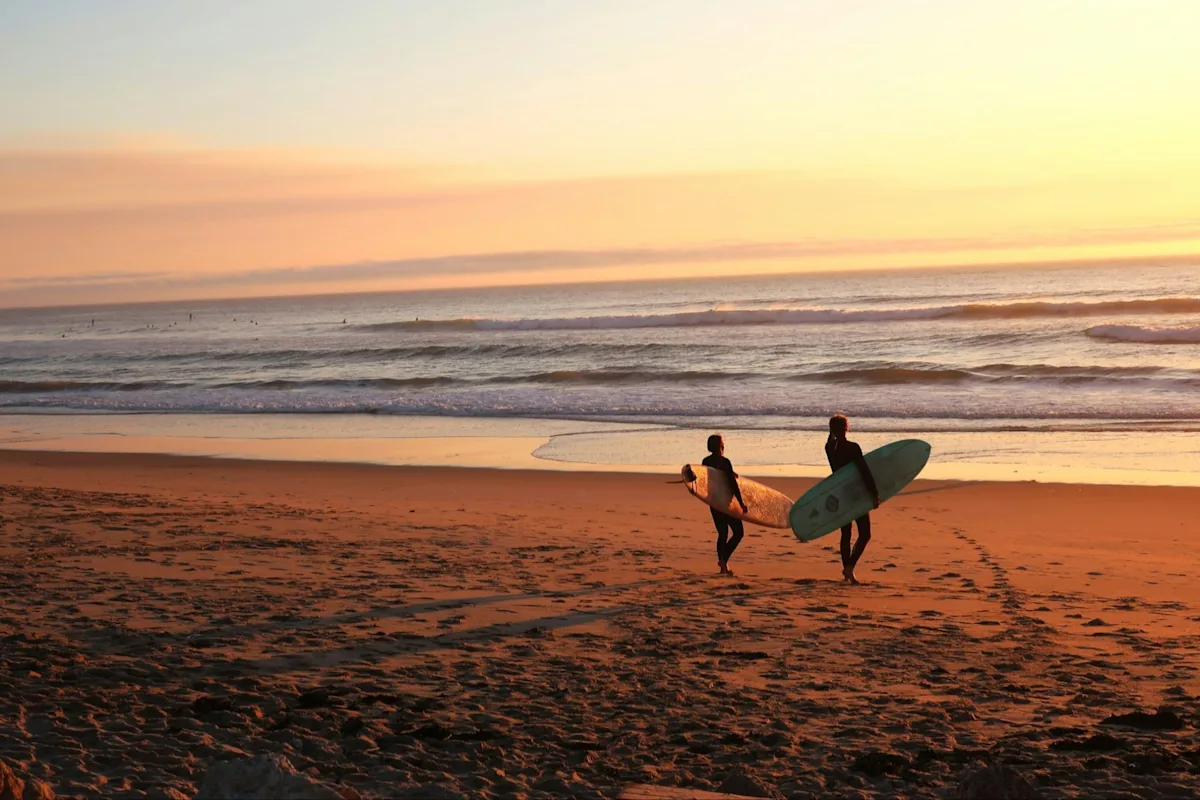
[727, 468]
[865, 471]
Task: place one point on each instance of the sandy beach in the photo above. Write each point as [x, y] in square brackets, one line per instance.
[430, 632]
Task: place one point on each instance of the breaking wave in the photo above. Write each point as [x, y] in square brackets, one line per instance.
[995, 373]
[873, 374]
[47, 387]
[1146, 335]
[806, 316]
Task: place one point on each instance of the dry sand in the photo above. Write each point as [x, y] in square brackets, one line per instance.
[503, 633]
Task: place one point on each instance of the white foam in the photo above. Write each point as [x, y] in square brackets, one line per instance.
[800, 316]
[1146, 334]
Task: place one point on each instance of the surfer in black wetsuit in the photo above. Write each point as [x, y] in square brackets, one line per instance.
[724, 523]
[841, 451]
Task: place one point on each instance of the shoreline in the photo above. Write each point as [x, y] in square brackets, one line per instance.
[170, 463]
[1113, 458]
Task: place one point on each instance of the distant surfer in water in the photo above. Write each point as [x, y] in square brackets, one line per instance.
[724, 523]
[841, 451]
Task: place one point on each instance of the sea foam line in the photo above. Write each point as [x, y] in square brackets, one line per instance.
[801, 316]
[1146, 334]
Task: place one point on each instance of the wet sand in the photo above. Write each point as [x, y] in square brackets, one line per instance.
[436, 632]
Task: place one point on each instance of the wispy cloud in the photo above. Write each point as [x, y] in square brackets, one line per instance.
[116, 180]
[535, 261]
[546, 260]
[91, 279]
[113, 225]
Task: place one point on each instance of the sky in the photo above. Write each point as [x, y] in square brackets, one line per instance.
[156, 150]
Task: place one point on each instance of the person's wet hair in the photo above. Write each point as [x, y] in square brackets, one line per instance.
[715, 442]
[838, 425]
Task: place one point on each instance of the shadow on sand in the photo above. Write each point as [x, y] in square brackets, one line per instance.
[383, 646]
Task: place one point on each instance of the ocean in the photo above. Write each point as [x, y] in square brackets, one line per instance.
[1014, 371]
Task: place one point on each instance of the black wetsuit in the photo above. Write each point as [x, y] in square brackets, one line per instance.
[724, 522]
[841, 452]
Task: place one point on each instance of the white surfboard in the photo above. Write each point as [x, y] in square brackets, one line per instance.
[764, 505]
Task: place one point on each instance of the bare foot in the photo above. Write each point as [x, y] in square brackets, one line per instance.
[848, 575]
[724, 569]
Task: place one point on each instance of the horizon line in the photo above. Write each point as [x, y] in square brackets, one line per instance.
[1158, 260]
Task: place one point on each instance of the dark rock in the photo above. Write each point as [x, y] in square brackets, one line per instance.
[359, 745]
[995, 782]
[423, 704]
[745, 785]
[260, 778]
[1100, 743]
[432, 731]
[583, 743]
[352, 726]
[318, 698]
[963, 755]
[876, 763]
[482, 735]
[439, 733]
[207, 704]
[554, 786]
[1159, 721]
[1151, 763]
[226, 719]
[382, 699]
[776, 739]
[929, 755]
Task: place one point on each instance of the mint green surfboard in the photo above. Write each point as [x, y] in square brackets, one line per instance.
[843, 497]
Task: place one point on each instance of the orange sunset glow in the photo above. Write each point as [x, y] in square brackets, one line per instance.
[820, 136]
[610, 400]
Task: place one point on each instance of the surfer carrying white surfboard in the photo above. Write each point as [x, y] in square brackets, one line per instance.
[723, 522]
[841, 451]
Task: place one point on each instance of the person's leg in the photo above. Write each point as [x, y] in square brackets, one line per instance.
[738, 529]
[846, 531]
[722, 525]
[864, 536]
